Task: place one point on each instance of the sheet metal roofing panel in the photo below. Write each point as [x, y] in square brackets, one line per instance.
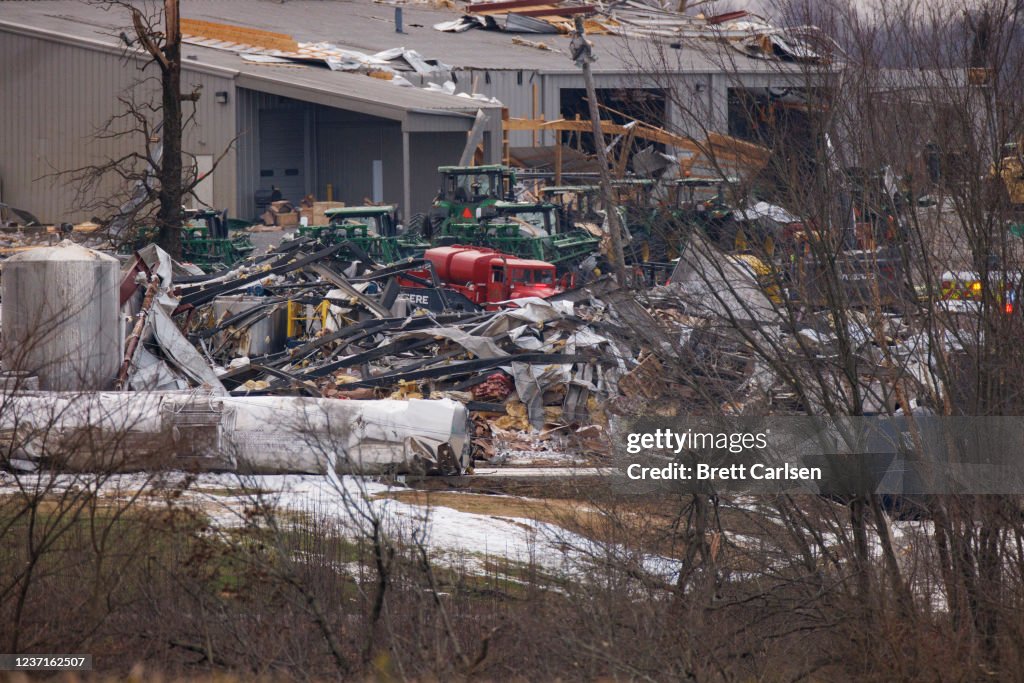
[90, 26]
[369, 27]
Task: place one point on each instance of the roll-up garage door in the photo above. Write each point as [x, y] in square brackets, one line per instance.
[282, 152]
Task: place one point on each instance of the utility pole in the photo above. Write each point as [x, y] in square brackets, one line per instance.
[583, 55]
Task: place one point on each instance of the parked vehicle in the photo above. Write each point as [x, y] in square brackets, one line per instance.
[465, 190]
[490, 278]
[212, 241]
[373, 229]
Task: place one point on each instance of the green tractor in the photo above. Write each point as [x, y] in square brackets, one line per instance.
[526, 230]
[373, 229]
[576, 203]
[663, 230]
[212, 241]
[209, 239]
[475, 206]
[583, 206]
[465, 190]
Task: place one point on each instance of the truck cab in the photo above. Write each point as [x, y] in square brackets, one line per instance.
[487, 276]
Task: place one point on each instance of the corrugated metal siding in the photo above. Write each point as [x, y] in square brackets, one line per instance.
[283, 153]
[346, 147]
[427, 152]
[247, 121]
[513, 88]
[213, 132]
[56, 96]
[343, 147]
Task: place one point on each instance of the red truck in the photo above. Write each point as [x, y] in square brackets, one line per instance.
[486, 276]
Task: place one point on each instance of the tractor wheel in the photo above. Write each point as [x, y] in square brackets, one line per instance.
[415, 224]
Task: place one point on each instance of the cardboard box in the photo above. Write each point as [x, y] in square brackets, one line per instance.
[282, 214]
[316, 214]
[287, 220]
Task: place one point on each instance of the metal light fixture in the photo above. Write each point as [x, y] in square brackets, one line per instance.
[221, 96]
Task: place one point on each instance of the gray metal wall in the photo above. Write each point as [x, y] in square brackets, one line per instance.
[247, 110]
[427, 151]
[55, 97]
[341, 149]
[347, 144]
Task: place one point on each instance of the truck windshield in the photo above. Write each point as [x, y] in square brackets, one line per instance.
[526, 276]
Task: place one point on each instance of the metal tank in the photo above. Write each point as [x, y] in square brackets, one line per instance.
[61, 317]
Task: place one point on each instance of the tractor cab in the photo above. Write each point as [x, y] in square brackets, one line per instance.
[466, 189]
[370, 231]
[633, 191]
[205, 223]
[380, 221]
[701, 195]
[211, 240]
[535, 220]
[475, 184]
[577, 203]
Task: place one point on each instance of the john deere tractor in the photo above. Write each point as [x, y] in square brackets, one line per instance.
[704, 203]
[476, 206]
[213, 241]
[373, 229]
[525, 230]
[464, 191]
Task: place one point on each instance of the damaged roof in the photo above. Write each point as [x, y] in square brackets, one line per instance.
[75, 22]
[369, 27]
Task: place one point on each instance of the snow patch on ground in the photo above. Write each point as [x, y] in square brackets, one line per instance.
[461, 538]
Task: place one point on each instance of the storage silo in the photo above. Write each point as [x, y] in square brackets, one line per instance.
[61, 317]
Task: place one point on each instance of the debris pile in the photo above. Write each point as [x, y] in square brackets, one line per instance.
[309, 324]
[314, 356]
[209, 358]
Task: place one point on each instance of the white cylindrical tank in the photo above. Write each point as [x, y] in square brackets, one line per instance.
[61, 316]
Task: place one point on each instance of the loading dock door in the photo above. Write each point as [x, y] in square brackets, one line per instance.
[282, 152]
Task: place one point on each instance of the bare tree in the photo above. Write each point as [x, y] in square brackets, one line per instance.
[154, 171]
[165, 49]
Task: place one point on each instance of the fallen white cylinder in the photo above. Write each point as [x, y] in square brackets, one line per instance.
[126, 431]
